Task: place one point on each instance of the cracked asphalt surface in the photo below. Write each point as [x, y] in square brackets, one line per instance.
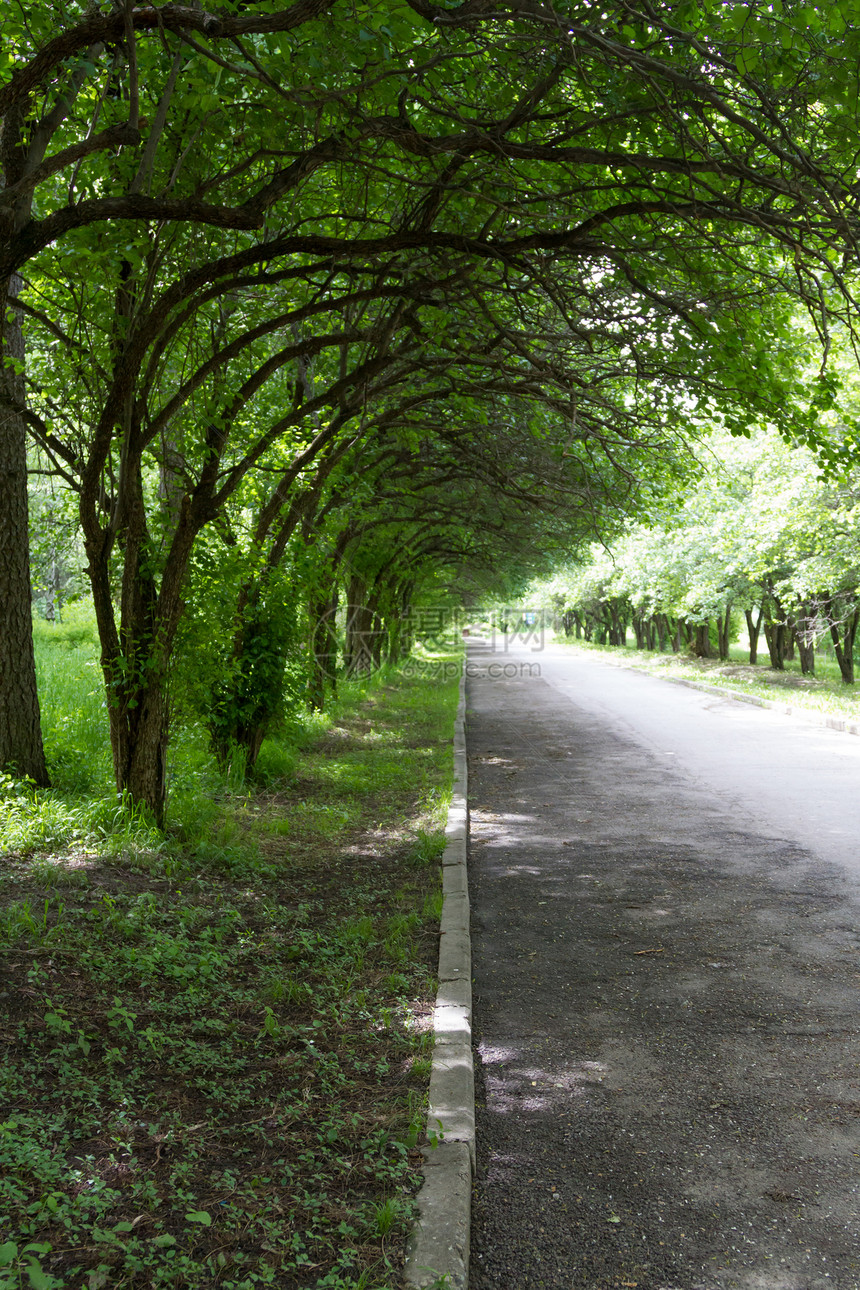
[666, 988]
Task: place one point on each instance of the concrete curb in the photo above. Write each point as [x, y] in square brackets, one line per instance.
[438, 1249]
[804, 715]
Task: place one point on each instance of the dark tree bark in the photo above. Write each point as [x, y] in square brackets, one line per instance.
[775, 630]
[21, 749]
[803, 631]
[723, 629]
[397, 631]
[378, 639]
[774, 635]
[322, 669]
[673, 630]
[136, 657]
[661, 624]
[617, 623]
[843, 633]
[702, 640]
[753, 631]
[684, 636]
[357, 654]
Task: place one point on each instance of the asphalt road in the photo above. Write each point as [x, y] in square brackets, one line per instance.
[666, 923]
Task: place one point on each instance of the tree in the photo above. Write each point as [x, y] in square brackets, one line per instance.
[454, 134]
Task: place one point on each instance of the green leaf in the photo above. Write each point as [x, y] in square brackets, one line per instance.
[199, 1216]
[39, 1279]
[8, 1253]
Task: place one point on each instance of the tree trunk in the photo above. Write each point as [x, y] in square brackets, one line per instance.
[21, 750]
[394, 639]
[774, 635]
[407, 629]
[53, 611]
[685, 635]
[844, 647]
[723, 629]
[358, 651]
[617, 625]
[135, 657]
[396, 623]
[256, 685]
[702, 643]
[135, 685]
[803, 631]
[323, 646]
[662, 626]
[378, 639]
[139, 734]
[753, 630]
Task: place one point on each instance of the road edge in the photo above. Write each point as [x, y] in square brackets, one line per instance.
[438, 1248]
[805, 715]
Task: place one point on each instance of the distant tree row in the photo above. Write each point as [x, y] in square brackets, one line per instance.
[759, 536]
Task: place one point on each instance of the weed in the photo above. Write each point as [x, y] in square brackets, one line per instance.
[428, 846]
[421, 1067]
[432, 908]
[384, 1215]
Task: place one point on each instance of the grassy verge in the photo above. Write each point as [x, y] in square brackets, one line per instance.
[215, 1042]
[823, 693]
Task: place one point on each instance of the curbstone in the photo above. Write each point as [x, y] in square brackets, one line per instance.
[438, 1247]
[454, 854]
[455, 829]
[455, 956]
[452, 1023]
[804, 715]
[455, 993]
[455, 912]
[451, 1112]
[454, 880]
[439, 1244]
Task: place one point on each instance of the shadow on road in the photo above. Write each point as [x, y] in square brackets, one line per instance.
[666, 1012]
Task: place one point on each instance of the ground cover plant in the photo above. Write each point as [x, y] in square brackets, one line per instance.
[823, 692]
[215, 1045]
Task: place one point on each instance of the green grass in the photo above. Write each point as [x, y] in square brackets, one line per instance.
[824, 693]
[215, 1044]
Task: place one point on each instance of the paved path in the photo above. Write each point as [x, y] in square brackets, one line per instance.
[665, 957]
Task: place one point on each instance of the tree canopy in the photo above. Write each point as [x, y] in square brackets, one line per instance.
[446, 279]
